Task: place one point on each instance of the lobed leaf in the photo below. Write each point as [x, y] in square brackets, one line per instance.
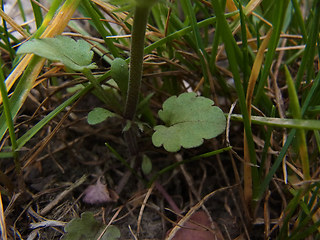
[88, 228]
[189, 120]
[76, 55]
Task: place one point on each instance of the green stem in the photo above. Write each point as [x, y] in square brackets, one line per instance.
[9, 120]
[23, 15]
[137, 48]
[96, 85]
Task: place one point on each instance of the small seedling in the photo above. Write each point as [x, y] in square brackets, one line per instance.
[146, 165]
[189, 119]
[88, 228]
[120, 74]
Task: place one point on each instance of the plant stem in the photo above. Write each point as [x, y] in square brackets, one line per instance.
[9, 120]
[137, 50]
[96, 85]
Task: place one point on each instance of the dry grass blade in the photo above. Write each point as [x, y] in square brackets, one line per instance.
[252, 81]
[143, 207]
[109, 7]
[191, 212]
[251, 6]
[13, 24]
[17, 72]
[62, 195]
[3, 227]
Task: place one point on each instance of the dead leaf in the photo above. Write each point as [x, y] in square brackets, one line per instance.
[198, 227]
[99, 194]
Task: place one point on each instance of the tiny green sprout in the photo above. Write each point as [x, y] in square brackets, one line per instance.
[120, 74]
[146, 165]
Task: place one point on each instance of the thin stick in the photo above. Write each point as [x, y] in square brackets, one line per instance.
[63, 195]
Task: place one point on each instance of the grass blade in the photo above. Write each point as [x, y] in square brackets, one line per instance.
[276, 164]
[233, 52]
[305, 124]
[301, 137]
[97, 23]
[278, 19]
[186, 4]
[37, 13]
[9, 121]
[308, 55]
[182, 32]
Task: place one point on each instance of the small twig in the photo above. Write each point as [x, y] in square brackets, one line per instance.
[63, 195]
[47, 223]
[266, 214]
[237, 177]
[2, 222]
[112, 219]
[143, 207]
[188, 178]
[168, 198]
[134, 236]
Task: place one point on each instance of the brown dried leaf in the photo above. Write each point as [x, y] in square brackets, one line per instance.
[99, 194]
[198, 227]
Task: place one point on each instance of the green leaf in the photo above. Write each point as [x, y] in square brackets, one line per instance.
[98, 115]
[189, 119]
[87, 228]
[112, 233]
[146, 165]
[120, 74]
[76, 55]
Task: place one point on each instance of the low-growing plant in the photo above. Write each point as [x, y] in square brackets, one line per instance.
[88, 228]
[189, 119]
[281, 88]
